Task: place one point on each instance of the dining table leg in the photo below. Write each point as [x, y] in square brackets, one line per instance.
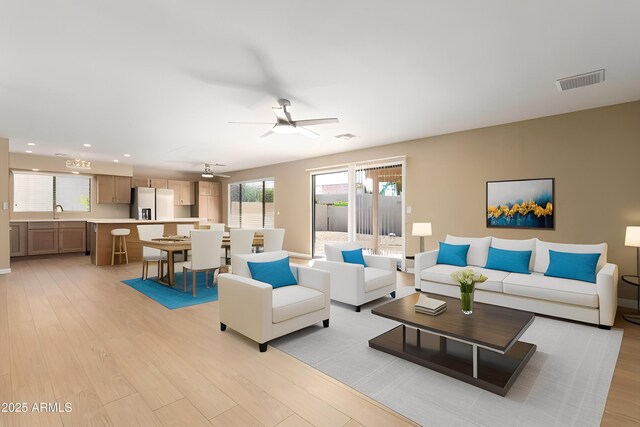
[170, 267]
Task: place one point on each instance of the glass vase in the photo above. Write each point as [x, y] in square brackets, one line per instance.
[466, 298]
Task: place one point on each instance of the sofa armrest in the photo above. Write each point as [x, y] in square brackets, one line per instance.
[381, 262]
[313, 278]
[607, 289]
[246, 305]
[424, 260]
[347, 280]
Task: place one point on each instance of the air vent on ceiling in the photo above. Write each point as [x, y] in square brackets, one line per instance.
[60, 155]
[586, 79]
[345, 136]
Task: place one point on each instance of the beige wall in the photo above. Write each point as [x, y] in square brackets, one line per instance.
[593, 156]
[4, 197]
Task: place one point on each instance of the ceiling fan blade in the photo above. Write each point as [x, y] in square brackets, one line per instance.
[267, 133]
[251, 123]
[221, 175]
[306, 132]
[313, 122]
[282, 114]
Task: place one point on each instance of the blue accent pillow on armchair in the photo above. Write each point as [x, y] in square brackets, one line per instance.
[511, 261]
[574, 266]
[453, 254]
[354, 257]
[276, 273]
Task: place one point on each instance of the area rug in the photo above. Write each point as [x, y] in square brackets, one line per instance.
[565, 383]
[175, 297]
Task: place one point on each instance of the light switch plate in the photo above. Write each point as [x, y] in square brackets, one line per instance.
[5, 205]
[408, 209]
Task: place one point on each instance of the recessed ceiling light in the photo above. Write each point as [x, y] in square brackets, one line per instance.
[75, 172]
[60, 155]
[127, 155]
[28, 151]
[31, 144]
[345, 136]
[86, 145]
[115, 160]
[35, 170]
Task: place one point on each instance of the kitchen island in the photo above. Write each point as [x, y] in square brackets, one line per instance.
[100, 236]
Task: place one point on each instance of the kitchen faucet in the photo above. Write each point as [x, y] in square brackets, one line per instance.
[55, 209]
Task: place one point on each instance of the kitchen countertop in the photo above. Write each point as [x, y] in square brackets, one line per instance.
[110, 221]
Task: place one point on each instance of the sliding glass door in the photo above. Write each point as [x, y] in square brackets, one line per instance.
[251, 204]
[364, 203]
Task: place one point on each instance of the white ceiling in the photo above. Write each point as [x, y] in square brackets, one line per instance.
[160, 79]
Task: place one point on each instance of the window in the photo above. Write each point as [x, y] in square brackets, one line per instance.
[41, 192]
[251, 204]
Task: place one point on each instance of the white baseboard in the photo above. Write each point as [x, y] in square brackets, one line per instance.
[5, 270]
[629, 303]
[299, 255]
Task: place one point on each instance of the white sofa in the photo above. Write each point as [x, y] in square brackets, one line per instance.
[262, 313]
[594, 303]
[355, 284]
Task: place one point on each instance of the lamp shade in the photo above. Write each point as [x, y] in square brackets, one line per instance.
[632, 237]
[421, 229]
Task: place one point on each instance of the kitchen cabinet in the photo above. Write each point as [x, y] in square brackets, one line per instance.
[72, 236]
[208, 201]
[183, 192]
[18, 238]
[42, 238]
[140, 182]
[113, 189]
[158, 183]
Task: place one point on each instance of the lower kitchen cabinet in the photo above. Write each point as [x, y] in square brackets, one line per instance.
[18, 238]
[43, 238]
[72, 236]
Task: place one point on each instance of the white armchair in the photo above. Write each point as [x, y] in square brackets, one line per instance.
[355, 284]
[260, 312]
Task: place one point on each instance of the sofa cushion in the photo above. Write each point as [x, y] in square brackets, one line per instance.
[542, 253]
[242, 269]
[517, 245]
[478, 248]
[376, 278]
[572, 266]
[293, 301]
[452, 254]
[507, 260]
[276, 273]
[333, 251]
[441, 273]
[354, 257]
[538, 286]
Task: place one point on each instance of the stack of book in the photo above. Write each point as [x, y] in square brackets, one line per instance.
[430, 306]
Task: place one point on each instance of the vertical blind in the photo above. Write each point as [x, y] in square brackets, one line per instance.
[251, 204]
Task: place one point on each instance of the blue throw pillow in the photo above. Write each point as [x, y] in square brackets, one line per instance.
[453, 254]
[276, 273]
[512, 261]
[354, 257]
[573, 266]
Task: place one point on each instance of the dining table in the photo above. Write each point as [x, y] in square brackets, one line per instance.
[173, 244]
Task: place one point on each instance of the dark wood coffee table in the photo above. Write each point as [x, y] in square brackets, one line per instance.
[481, 349]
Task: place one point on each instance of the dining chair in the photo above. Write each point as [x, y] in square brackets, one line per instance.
[206, 246]
[216, 226]
[148, 232]
[183, 230]
[273, 239]
[241, 241]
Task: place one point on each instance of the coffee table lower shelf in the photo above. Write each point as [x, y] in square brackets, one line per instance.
[495, 372]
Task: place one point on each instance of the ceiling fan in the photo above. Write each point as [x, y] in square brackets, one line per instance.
[208, 174]
[285, 125]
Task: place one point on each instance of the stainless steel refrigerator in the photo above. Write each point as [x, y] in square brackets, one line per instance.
[164, 203]
[151, 203]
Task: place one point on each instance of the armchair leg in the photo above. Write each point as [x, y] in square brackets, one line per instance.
[393, 294]
[357, 309]
[325, 323]
[263, 347]
[223, 327]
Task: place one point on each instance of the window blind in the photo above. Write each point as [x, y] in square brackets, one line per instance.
[32, 192]
[251, 204]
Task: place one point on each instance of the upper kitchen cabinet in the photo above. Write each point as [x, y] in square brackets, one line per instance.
[183, 192]
[208, 204]
[158, 183]
[113, 189]
[140, 182]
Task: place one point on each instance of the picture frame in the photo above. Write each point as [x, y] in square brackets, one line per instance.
[521, 203]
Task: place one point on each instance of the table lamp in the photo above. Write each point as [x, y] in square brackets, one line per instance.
[422, 229]
[632, 238]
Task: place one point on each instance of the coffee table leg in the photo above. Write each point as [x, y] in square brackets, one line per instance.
[475, 360]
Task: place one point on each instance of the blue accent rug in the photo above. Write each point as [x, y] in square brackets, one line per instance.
[175, 297]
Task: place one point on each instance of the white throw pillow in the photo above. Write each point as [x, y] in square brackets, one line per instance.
[517, 245]
[478, 248]
[542, 253]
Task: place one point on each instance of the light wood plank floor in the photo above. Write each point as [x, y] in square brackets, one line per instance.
[70, 332]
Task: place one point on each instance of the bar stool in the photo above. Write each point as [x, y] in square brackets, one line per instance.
[119, 235]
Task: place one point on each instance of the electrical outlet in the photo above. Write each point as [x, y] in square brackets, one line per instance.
[408, 209]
